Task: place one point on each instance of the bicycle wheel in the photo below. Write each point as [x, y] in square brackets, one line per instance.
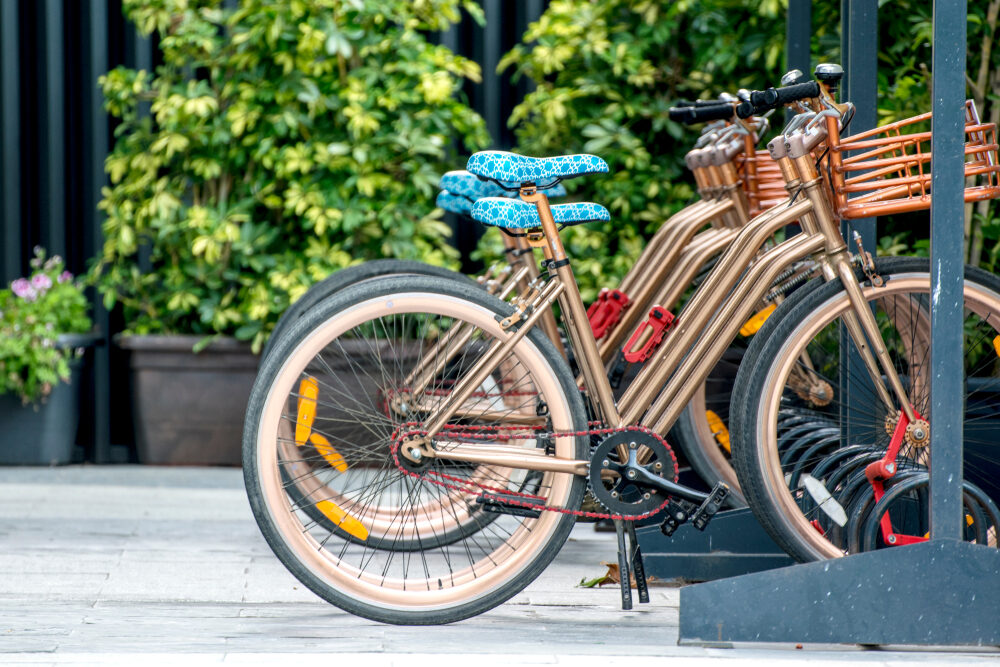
[352, 275]
[800, 480]
[409, 548]
[304, 482]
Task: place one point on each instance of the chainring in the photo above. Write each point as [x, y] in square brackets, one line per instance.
[608, 483]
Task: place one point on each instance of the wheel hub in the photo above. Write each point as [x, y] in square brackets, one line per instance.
[918, 433]
[413, 454]
[614, 480]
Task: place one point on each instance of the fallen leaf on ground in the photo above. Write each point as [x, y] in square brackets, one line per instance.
[612, 578]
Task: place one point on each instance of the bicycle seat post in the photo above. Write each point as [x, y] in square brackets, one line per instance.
[572, 305]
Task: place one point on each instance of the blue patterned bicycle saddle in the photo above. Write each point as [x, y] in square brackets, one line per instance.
[514, 168]
[463, 205]
[454, 203]
[470, 186]
[517, 214]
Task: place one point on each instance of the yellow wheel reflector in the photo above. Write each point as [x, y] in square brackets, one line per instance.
[308, 391]
[344, 521]
[996, 345]
[754, 324]
[719, 430]
[332, 456]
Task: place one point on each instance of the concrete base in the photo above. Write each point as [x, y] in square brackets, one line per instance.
[939, 593]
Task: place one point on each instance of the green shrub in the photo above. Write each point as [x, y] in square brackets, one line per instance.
[34, 312]
[282, 141]
[606, 73]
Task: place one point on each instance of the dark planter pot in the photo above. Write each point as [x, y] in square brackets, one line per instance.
[44, 434]
[188, 408]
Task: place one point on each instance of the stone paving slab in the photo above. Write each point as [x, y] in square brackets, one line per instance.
[139, 565]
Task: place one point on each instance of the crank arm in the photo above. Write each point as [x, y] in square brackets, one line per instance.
[646, 478]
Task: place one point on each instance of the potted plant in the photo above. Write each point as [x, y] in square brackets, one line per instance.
[43, 327]
[283, 141]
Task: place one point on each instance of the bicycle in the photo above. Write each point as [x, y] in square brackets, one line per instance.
[502, 422]
[676, 243]
[829, 477]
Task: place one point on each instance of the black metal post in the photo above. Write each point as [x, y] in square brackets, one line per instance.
[53, 130]
[10, 139]
[532, 11]
[492, 40]
[859, 49]
[96, 124]
[947, 245]
[798, 33]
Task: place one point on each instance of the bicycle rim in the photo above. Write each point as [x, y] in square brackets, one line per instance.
[903, 312]
[436, 568]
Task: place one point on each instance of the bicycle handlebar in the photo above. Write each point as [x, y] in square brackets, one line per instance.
[773, 98]
[696, 103]
[690, 115]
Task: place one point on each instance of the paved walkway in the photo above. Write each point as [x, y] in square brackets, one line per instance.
[138, 565]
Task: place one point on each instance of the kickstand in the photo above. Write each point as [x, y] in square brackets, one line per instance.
[630, 564]
[637, 569]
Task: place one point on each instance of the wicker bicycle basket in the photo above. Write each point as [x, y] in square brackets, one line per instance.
[888, 169]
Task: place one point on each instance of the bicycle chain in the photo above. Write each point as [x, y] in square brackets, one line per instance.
[495, 433]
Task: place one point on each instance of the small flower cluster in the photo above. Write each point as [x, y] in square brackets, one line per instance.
[39, 284]
[34, 312]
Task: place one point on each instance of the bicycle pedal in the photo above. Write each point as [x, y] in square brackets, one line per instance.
[649, 335]
[606, 311]
[499, 503]
[675, 514]
[710, 506]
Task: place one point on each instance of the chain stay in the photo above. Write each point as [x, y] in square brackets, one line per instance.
[529, 501]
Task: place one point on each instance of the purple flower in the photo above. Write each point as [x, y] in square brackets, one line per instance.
[41, 282]
[65, 277]
[23, 289]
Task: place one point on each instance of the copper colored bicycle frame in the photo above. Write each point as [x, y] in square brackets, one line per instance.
[662, 273]
[708, 322]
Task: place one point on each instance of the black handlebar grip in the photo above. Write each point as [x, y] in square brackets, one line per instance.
[696, 103]
[745, 109]
[701, 114]
[796, 92]
[772, 98]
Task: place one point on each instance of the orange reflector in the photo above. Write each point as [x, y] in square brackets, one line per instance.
[344, 521]
[719, 430]
[996, 345]
[308, 391]
[754, 324]
[328, 452]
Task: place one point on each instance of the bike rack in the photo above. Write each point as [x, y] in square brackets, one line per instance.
[940, 592]
[733, 544]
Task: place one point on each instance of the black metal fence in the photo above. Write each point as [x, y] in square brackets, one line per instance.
[54, 136]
